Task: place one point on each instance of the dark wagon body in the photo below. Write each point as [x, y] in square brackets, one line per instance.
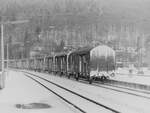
[78, 63]
[49, 64]
[24, 64]
[39, 64]
[92, 63]
[60, 63]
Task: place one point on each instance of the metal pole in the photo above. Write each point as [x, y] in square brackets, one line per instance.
[7, 55]
[2, 58]
[2, 47]
[2, 77]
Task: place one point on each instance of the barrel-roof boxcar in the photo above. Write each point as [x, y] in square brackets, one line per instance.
[92, 63]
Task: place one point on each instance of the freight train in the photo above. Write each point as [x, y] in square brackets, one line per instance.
[90, 63]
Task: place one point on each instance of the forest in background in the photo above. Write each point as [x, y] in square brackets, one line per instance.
[58, 24]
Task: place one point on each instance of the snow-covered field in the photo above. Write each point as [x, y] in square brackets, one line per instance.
[22, 90]
[122, 74]
[125, 70]
[122, 102]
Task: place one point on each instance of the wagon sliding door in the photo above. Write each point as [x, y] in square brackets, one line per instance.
[85, 64]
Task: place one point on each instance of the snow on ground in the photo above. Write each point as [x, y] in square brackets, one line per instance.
[85, 105]
[125, 70]
[22, 90]
[122, 74]
[122, 70]
[145, 80]
[120, 101]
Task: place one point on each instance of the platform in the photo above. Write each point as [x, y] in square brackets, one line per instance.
[132, 78]
[23, 95]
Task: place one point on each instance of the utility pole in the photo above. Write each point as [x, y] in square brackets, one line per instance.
[139, 51]
[7, 55]
[2, 75]
[2, 57]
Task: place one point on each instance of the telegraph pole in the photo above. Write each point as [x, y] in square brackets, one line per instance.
[2, 75]
[7, 55]
[2, 47]
[2, 57]
[139, 51]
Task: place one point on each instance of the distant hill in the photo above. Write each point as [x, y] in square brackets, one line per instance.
[90, 19]
[114, 11]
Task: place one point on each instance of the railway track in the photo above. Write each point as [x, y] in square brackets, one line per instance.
[126, 90]
[130, 85]
[130, 91]
[102, 86]
[71, 97]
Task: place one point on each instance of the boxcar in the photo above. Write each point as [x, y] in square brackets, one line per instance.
[60, 61]
[92, 63]
[78, 63]
[102, 62]
[19, 64]
[40, 64]
[49, 64]
[32, 64]
[24, 64]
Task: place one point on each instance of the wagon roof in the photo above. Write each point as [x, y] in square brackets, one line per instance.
[39, 58]
[49, 56]
[61, 54]
[82, 50]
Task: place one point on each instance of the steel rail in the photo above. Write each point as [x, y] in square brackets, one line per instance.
[106, 87]
[75, 93]
[57, 94]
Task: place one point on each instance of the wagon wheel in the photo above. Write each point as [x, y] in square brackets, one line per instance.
[112, 74]
[68, 75]
[77, 77]
[90, 80]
